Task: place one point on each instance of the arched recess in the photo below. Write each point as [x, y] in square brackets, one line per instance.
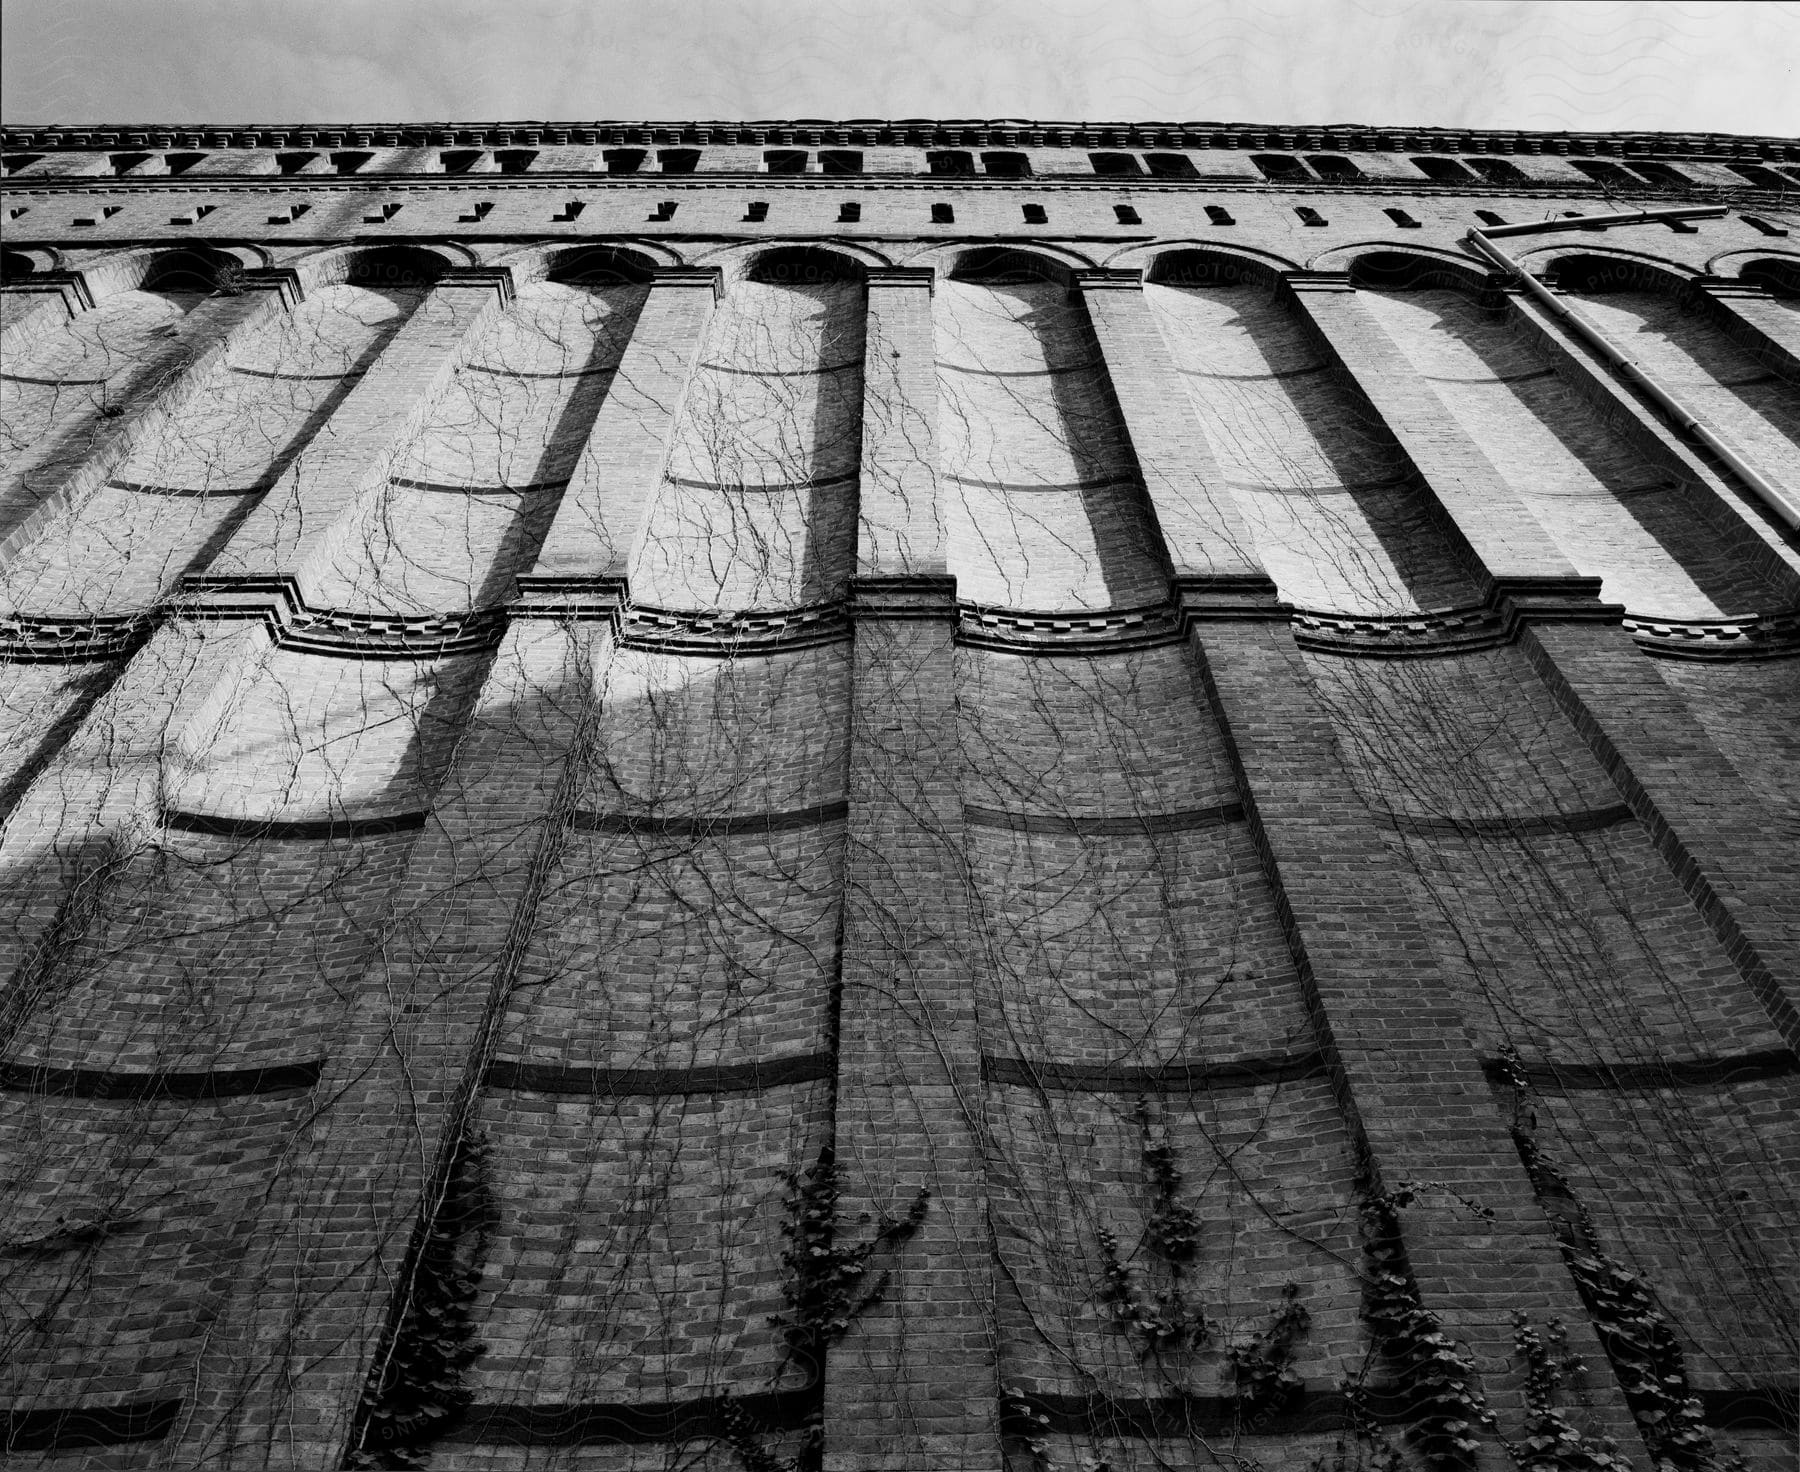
[474, 487]
[1387, 269]
[1655, 313]
[1325, 495]
[1777, 272]
[757, 510]
[1652, 538]
[411, 266]
[17, 263]
[586, 261]
[838, 259]
[1777, 275]
[1208, 265]
[1042, 503]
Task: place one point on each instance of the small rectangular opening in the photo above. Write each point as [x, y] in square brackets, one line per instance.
[785, 160]
[293, 163]
[1402, 219]
[1444, 170]
[1126, 214]
[459, 160]
[1488, 217]
[623, 160]
[1308, 215]
[514, 160]
[756, 210]
[951, 163]
[1116, 164]
[678, 160]
[349, 162]
[1219, 215]
[1604, 171]
[124, 163]
[942, 214]
[849, 212]
[288, 215]
[16, 161]
[1498, 171]
[180, 163]
[1171, 166]
[663, 211]
[1659, 173]
[1333, 167]
[1280, 168]
[1034, 215]
[476, 213]
[840, 161]
[568, 212]
[1759, 176]
[1757, 222]
[1006, 165]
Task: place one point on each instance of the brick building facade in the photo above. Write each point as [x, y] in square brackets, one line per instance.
[898, 796]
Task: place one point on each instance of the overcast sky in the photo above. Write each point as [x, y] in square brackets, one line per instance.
[1599, 64]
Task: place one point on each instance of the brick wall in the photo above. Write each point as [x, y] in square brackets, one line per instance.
[890, 855]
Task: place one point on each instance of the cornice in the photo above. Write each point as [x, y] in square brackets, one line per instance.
[917, 133]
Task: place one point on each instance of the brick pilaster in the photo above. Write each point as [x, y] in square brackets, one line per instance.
[901, 522]
[602, 513]
[37, 305]
[1756, 322]
[914, 1383]
[146, 395]
[291, 531]
[1411, 1086]
[1505, 544]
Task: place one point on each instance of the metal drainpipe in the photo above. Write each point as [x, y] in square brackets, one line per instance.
[1770, 494]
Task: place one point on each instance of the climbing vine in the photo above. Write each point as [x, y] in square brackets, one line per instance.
[421, 1391]
[1551, 1443]
[1167, 1322]
[1447, 1405]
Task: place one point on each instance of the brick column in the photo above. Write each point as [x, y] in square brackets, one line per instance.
[307, 1313]
[37, 305]
[1720, 842]
[600, 518]
[291, 530]
[1759, 324]
[1507, 547]
[1412, 1089]
[913, 1385]
[1203, 533]
[146, 395]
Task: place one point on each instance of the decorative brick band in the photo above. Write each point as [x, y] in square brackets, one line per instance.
[200, 492]
[1114, 631]
[308, 829]
[70, 1428]
[1670, 1073]
[624, 1423]
[1185, 821]
[48, 639]
[782, 372]
[1758, 636]
[94, 1083]
[1183, 1417]
[1440, 632]
[731, 634]
[601, 1083]
[1502, 827]
[448, 488]
[773, 488]
[1198, 1077]
[651, 825]
[1032, 488]
[340, 633]
[1091, 365]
